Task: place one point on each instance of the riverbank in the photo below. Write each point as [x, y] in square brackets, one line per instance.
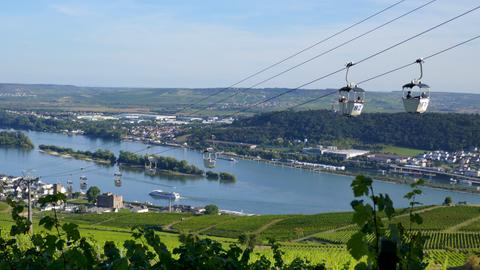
[72, 156]
[378, 177]
[343, 172]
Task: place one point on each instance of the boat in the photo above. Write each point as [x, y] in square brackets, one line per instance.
[228, 159]
[466, 182]
[453, 181]
[165, 194]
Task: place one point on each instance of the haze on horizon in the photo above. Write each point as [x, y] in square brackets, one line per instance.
[214, 44]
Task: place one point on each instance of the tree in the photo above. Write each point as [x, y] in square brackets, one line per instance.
[92, 194]
[448, 200]
[211, 209]
[227, 177]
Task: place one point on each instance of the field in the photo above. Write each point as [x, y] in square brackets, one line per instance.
[453, 232]
[107, 99]
[401, 151]
[444, 217]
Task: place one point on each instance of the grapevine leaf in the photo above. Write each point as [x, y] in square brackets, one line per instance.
[360, 185]
[357, 245]
[362, 212]
[416, 218]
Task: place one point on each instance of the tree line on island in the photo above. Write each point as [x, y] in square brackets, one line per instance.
[161, 163]
[430, 131]
[127, 158]
[98, 129]
[15, 139]
[99, 154]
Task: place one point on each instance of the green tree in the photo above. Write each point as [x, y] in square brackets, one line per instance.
[92, 194]
[448, 200]
[227, 176]
[211, 209]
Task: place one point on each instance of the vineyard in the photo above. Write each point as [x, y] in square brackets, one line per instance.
[453, 232]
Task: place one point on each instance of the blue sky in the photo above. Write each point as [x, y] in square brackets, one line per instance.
[210, 43]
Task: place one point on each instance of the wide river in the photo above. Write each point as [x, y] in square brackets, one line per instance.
[260, 188]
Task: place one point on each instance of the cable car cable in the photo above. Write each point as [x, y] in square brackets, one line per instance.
[316, 56]
[292, 55]
[362, 60]
[391, 71]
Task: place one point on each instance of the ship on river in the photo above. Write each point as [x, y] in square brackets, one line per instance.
[165, 194]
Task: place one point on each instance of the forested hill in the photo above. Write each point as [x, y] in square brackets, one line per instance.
[430, 131]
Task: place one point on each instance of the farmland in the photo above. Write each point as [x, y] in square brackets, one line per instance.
[453, 232]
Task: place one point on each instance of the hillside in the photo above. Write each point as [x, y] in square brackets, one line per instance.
[430, 131]
[453, 231]
[69, 97]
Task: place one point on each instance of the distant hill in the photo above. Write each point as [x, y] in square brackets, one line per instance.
[430, 131]
[69, 97]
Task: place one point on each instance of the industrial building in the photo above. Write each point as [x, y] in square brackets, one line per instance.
[333, 151]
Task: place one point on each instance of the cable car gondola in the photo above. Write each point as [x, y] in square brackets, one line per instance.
[117, 178]
[83, 182]
[351, 97]
[209, 158]
[416, 95]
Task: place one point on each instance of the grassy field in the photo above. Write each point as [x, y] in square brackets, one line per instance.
[401, 151]
[453, 232]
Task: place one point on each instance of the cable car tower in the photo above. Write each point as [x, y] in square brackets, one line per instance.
[351, 97]
[416, 95]
[70, 185]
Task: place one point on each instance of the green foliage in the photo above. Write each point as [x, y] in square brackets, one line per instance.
[99, 129]
[61, 246]
[448, 200]
[376, 240]
[392, 246]
[234, 227]
[211, 209]
[227, 176]
[444, 217]
[297, 226]
[212, 175]
[99, 154]
[163, 163]
[15, 139]
[92, 194]
[431, 131]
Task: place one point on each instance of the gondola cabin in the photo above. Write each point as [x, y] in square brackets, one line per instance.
[351, 100]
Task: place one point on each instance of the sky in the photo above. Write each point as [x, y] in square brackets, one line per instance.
[214, 43]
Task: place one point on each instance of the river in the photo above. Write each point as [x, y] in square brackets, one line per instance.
[260, 188]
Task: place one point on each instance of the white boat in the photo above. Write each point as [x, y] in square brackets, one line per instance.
[165, 194]
[466, 182]
[453, 181]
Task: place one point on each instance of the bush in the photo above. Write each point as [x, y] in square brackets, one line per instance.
[211, 209]
[227, 176]
[212, 175]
